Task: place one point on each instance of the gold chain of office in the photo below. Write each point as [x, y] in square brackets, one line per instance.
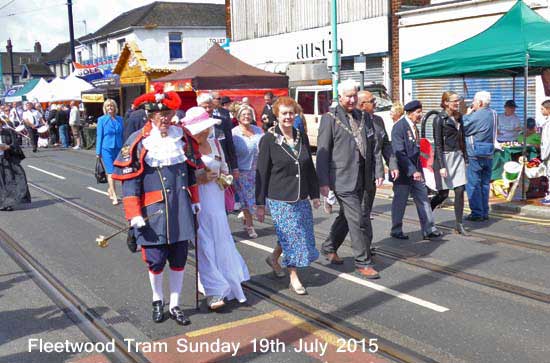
[355, 133]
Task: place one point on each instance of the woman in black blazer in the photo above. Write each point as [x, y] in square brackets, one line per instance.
[450, 156]
[285, 180]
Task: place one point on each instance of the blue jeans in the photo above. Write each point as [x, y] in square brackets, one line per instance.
[64, 135]
[479, 178]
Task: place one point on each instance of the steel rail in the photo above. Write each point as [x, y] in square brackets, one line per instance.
[87, 320]
[392, 350]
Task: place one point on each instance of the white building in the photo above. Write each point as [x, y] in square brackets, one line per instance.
[168, 36]
[294, 37]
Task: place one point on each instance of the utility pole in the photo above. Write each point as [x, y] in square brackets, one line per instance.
[71, 31]
[335, 50]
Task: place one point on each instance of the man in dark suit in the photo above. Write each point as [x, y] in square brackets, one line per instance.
[367, 103]
[268, 117]
[222, 132]
[348, 159]
[405, 140]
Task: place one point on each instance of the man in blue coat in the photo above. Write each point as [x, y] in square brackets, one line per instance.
[405, 140]
[157, 167]
[480, 132]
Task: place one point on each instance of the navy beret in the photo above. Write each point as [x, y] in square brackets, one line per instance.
[413, 106]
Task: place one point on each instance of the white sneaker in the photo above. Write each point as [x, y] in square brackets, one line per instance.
[76, 147]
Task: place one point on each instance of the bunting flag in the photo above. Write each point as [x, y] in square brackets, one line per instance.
[87, 73]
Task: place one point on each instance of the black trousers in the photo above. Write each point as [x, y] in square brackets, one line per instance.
[353, 217]
[33, 136]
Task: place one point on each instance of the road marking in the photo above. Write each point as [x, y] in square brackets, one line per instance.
[98, 191]
[230, 325]
[47, 172]
[359, 281]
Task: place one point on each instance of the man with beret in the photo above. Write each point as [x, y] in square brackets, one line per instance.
[405, 140]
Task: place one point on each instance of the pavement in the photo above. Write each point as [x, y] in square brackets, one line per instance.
[531, 208]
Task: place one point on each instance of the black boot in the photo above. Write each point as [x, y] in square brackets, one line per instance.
[178, 315]
[461, 230]
[158, 311]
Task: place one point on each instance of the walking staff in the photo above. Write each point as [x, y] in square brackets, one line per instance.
[158, 166]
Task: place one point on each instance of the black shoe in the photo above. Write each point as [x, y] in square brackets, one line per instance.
[461, 230]
[399, 235]
[34, 150]
[434, 234]
[178, 315]
[158, 311]
[473, 218]
[486, 218]
[7, 209]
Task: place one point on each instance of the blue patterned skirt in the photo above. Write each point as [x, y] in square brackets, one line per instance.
[294, 226]
[246, 186]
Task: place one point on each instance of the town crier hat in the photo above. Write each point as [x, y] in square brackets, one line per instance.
[158, 100]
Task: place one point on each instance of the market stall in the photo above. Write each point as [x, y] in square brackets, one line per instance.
[135, 74]
[219, 71]
[525, 51]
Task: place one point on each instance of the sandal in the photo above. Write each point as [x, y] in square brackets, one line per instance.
[251, 232]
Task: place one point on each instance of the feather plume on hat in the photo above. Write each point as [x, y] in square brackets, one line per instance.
[158, 100]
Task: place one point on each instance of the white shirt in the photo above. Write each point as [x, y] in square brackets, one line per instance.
[74, 116]
[33, 116]
[506, 126]
[411, 126]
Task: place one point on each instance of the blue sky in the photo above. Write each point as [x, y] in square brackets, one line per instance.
[46, 21]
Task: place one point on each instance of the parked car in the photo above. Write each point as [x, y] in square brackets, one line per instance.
[316, 100]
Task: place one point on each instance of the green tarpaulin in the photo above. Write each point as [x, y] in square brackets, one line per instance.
[500, 50]
[20, 94]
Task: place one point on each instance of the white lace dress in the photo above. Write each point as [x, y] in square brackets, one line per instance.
[221, 267]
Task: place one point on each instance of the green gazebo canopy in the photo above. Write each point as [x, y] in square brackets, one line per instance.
[20, 94]
[500, 50]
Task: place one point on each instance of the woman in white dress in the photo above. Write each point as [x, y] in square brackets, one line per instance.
[221, 267]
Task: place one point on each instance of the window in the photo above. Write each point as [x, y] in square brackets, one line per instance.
[103, 50]
[175, 46]
[307, 100]
[121, 44]
[324, 100]
[79, 57]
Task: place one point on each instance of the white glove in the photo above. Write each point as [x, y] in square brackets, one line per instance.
[137, 222]
[196, 208]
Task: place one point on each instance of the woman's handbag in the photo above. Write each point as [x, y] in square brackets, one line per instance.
[229, 196]
[100, 175]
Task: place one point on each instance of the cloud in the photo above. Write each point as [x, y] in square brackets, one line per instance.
[46, 21]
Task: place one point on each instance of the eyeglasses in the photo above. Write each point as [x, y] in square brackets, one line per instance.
[372, 100]
[218, 98]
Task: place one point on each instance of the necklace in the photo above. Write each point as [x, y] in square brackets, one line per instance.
[355, 133]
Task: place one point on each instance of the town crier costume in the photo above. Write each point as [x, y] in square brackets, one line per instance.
[157, 166]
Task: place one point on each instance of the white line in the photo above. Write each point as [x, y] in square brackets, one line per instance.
[47, 172]
[98, 191]
[357, 280]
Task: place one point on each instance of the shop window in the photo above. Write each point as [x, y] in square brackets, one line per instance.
[175, 46]
[307, 101]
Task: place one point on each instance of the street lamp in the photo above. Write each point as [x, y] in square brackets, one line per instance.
[9, 47]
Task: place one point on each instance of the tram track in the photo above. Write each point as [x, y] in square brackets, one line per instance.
[486, 239]
[87, 320]
[322, 319]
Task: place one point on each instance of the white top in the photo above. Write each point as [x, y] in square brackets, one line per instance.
[164, 151]
[506, 126]
[74, 116]
[33, 116]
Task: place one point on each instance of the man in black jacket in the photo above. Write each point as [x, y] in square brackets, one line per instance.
[268, 117]
[349, 159]
[222, 132]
